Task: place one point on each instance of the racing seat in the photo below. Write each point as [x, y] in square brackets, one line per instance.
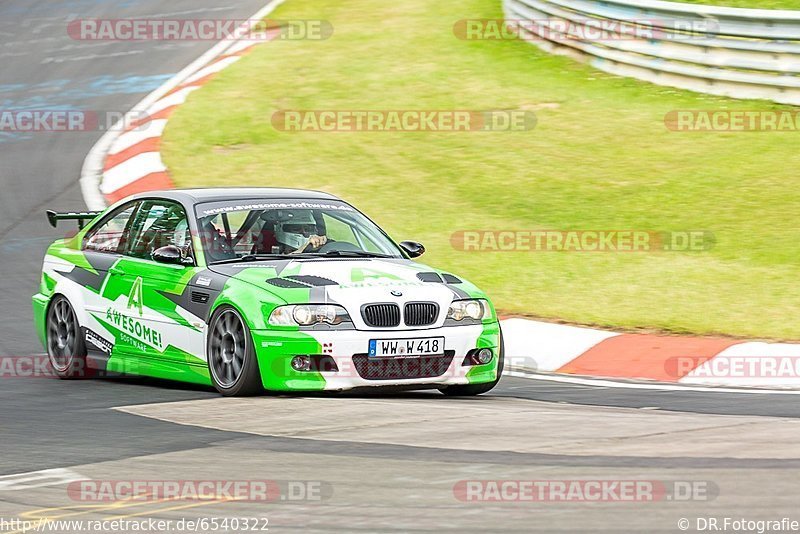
[160, 234]
[216, 246]
[264, 241]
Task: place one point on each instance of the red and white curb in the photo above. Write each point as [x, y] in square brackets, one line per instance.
[133, 161]
[541, 347]
[128, 160]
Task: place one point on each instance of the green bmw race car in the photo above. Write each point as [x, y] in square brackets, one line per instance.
[259, 289]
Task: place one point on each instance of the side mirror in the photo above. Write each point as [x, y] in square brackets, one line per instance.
[412, 248]
[170, 254]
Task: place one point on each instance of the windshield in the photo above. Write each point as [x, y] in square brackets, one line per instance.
[241, 230]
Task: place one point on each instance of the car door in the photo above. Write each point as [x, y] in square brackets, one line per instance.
[165, 333]
[101, 249]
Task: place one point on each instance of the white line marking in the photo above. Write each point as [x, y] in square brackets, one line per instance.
[212, 69]
[176, 98]
[38, 479]
[244, 44]
[637, 385]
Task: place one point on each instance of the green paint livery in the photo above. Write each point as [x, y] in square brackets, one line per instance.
[142, 308]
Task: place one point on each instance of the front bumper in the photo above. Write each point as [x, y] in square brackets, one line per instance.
[347, 349]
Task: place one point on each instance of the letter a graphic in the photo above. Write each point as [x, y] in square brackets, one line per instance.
[359, 275]
[135, 296]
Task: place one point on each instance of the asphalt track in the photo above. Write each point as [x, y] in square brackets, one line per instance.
[391, 460]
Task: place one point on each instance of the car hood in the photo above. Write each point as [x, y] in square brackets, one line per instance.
[352, 282]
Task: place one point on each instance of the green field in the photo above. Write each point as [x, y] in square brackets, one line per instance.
[599, 158]
[757, 4]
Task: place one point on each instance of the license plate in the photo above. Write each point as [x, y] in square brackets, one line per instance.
[424, 346]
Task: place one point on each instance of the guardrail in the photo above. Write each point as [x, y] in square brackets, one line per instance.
[741, 53]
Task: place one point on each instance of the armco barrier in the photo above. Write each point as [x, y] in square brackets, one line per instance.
[741, 53]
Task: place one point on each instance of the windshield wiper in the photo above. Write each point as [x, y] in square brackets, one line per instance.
[353, 254]
[256, 257]
[301, 255]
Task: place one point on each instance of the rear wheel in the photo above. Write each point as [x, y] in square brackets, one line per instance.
[469, 390]
[65, 346]
[231, 358]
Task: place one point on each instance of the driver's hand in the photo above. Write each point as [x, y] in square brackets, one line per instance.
[316, 241]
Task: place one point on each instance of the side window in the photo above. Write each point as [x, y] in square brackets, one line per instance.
[341, 231]
[338, 230]
[109, 236]
[214, 231]
[367, 243]
[159, 224]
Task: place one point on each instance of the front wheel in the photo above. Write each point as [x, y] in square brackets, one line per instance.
[470, 390]
[66, 349]
[232, 360]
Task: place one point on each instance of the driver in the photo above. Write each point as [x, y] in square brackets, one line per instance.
[296, 231]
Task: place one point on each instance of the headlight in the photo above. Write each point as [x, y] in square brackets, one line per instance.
[308, 315]
[475, 309]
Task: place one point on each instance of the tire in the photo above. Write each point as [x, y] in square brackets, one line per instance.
[232, 362]
[66, 348]
[470, 390]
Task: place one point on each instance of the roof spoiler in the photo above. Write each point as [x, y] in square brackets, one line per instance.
[80, 216]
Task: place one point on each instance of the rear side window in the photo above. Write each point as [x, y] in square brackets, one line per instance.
[109, 236]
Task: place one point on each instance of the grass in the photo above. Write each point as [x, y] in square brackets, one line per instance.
[599, 158]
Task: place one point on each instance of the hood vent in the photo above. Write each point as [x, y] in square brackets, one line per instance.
[301, 281]
[451, 279]
[285, 283]
[436, 278]
[430, 277]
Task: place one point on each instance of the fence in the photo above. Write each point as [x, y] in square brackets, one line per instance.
[741, 53]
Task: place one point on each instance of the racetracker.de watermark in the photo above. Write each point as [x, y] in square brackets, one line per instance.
[35, 366]
[200, 490]
[732, 366]
[61, 120]
[409, 120]
[582, 241]
[40, 366]
[198, 30]
[584, 490]
[716, 120]
[595, 30]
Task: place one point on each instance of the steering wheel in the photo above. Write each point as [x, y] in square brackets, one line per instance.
[332, 246]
